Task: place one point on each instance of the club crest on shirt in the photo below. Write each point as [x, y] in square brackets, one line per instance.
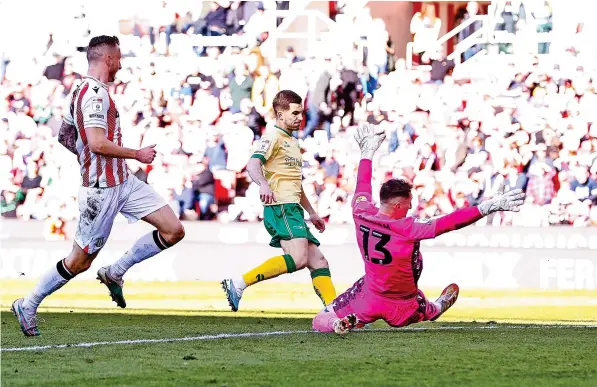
[423, 220]
[99, 242]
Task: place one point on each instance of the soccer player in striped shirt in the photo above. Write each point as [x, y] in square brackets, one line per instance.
[91, 130]
[389, 242]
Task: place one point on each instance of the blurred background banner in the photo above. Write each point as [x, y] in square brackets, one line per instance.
[489, 258]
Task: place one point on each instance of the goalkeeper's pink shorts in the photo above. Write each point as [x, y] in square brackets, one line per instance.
[370, 307]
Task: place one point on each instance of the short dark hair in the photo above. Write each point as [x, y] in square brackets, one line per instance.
[284, 98]
[395, 188]
[94, 49]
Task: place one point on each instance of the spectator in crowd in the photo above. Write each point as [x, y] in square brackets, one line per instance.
[584, 186]
[425, 27]
[472, 9]
[440, 65]
[512, 12]
[216, 153]
[257, 24]
[291, 55]
[543, 20]
[205, 190]
[319, 94]
[241, 86]
[541, 187]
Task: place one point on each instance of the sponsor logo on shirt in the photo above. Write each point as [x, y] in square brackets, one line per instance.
[360, 199]
[97, 104]
[423, 220]
[364, 219]
[292, 162]
[264, 145]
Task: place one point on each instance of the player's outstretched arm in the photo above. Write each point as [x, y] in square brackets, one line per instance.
[100, 145]
[509, 201]
[369, 141]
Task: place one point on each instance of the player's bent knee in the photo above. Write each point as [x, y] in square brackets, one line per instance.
[179, 232]
[300, 260]
[298, 250]
[77, 268]
[78, 261]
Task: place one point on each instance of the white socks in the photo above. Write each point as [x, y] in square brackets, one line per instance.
[51, 281]
[146, 247]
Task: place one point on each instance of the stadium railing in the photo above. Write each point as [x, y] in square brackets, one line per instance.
[484, 36]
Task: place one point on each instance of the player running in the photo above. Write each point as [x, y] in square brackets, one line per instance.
[91, 130]
[390, 246]
[276, 167]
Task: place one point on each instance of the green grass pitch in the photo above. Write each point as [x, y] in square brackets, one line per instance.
[455, 351]
[478, 354]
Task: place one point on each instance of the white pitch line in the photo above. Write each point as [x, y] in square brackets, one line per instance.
[281, 333]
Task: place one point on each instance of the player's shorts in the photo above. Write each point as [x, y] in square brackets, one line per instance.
[99, 206]
[370, 307]
[286, 222]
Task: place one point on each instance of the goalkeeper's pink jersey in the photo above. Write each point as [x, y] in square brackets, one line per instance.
[391, 247]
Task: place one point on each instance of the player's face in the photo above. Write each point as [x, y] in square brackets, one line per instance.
[292, 117]
[113, 63]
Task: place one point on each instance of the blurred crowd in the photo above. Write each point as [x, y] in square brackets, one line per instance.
[530, 124]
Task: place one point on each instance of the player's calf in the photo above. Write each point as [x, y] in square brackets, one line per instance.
[146, 247]
[294, 259]
[320, 275]
[173, 235]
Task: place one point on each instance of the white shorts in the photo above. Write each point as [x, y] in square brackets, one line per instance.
[99, 206]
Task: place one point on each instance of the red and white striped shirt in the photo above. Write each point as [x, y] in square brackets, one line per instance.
[92, 107]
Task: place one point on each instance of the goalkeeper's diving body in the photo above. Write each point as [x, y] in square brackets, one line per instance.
[389, 242]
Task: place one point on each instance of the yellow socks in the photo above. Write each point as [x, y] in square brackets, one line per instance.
[271, 268]
[322, 283]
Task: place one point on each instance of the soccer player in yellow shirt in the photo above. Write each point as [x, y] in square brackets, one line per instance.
[276, 167]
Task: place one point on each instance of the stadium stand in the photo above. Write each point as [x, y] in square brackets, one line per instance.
[529, 121]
